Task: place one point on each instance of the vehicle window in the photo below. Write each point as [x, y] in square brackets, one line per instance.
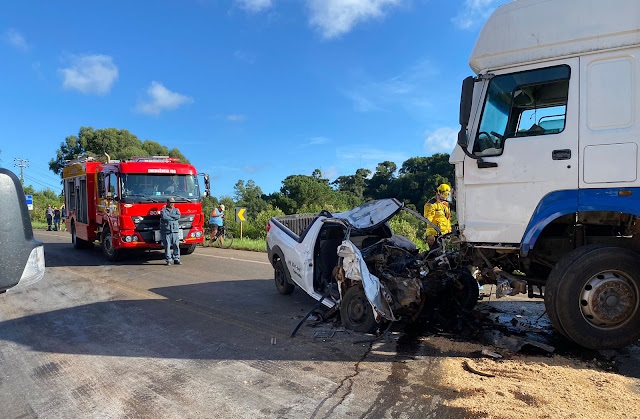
[113, 186]
[150, 186]
[101, 185]
[525, 104]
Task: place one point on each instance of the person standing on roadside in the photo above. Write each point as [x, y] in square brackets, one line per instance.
[216, 220]
[49, 213]
[56, 219]
[169, 228]
[63, 214]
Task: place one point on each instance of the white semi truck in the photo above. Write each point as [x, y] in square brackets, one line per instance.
[547, 185]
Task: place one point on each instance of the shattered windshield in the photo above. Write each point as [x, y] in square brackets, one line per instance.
[157, 187]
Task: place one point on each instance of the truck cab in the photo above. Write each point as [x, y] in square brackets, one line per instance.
[547, 159]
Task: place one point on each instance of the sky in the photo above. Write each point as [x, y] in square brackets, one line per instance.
[245, 89]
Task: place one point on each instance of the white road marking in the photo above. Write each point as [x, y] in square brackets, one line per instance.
[232, 258]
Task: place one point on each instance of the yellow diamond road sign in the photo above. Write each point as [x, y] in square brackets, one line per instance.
[240, 214]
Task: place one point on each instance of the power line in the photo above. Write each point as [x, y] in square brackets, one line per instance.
[49, 176]
[43, 184]
[21, 163]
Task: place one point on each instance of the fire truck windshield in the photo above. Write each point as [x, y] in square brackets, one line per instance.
[158, 187]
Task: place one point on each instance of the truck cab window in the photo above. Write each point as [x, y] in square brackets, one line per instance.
[113, 186]
[525, 104]
[101, 185]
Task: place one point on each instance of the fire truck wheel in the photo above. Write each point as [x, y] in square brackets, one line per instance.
[107, 246]
[78, 243]
[188, 250]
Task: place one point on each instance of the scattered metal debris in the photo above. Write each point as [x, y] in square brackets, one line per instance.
[471, 369]
[323, 334]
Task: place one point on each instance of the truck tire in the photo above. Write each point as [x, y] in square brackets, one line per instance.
[595, 296]
[109, 251]
[356, 312]
[283, 285]
[467, 296]
[551, 286]
[188, 249]
[77, 242]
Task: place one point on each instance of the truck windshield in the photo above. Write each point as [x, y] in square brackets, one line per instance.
[524, 104]
[158, 187]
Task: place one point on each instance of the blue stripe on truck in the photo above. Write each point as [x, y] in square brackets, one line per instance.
[559, 203]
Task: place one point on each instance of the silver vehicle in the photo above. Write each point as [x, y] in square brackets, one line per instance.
[23, 261]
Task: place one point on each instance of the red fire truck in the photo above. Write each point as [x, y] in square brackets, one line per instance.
[118, 203]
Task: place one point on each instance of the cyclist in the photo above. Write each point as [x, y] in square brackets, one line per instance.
[216, 221]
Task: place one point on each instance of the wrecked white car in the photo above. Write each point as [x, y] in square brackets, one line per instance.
[352, 262]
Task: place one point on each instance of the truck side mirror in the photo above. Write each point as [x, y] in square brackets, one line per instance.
[466, 98]
[24, 262]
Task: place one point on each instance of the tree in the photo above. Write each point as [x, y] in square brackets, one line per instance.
[419, 177]
[381, 183]
[120, 144]
[250, 197]
[355, 184]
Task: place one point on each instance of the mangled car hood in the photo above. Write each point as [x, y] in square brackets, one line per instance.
[371, 214]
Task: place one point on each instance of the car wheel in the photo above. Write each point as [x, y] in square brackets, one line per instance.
[356, 312]
[283, 285]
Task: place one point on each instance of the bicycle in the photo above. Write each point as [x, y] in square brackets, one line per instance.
[226, 236]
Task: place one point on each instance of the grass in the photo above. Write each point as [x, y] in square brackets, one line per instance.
[39, 225]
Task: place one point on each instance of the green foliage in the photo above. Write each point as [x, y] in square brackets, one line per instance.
[40, 201]
[409, 226]
[301, 193]
[256, 227]
[119, 144]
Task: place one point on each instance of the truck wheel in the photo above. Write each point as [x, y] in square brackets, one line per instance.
[77, 242]
[596, 297]
[356, 312]
[107, 246]
[188, 250]
[283, 285]
[551, 286]
[467, 296]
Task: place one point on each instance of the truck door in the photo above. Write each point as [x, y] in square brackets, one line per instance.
[527, 140]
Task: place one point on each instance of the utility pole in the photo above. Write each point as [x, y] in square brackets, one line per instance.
[21, 163]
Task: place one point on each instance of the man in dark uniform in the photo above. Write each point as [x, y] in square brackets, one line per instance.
[169, 227]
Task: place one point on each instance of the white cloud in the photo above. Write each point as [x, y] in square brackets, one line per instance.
[475, 12]
[442, 140]
[236, 118]
[314, 141]
[244, 56]
[408, 89]
[334, 18]
[90, 74]
[365, 155]
[254, 6]
[16, 40]
[330, 172]
[159, 99]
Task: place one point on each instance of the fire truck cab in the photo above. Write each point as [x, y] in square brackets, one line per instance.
[118, 203]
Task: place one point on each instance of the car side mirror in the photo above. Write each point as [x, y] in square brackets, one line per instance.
[24, 262]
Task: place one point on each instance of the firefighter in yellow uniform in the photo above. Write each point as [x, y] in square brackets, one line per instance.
[438, 212]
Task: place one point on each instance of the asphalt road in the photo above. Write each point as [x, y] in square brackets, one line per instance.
[207, 339]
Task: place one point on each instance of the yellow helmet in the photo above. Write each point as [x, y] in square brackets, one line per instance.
[444, 188]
